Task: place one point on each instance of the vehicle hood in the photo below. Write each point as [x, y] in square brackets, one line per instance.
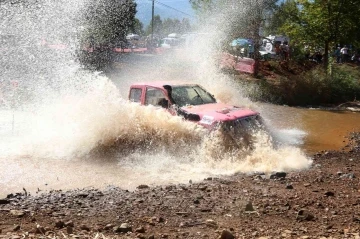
[217, 112]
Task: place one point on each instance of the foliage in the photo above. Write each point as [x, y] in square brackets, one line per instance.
[157, 26]
[322, 23]
[137, 27]
[164, 27]
[108, 21]
[105, 23]
[282, 15]
[314, 87]
[203, 8]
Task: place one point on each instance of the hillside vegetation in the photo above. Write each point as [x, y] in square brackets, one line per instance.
[306, 83]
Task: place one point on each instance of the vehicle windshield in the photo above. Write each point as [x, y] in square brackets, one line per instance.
[191, 95]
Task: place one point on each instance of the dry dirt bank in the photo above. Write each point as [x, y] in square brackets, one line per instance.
[322, 202]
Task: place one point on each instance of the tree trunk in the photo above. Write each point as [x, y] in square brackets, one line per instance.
[326, 56]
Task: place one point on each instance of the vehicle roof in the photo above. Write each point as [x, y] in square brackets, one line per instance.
[160, 84]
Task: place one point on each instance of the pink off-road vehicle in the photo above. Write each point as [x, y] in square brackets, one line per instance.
[195, 104]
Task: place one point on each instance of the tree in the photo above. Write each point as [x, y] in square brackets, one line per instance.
[323, 23]
[185, 25]
[138, 27]
[167, 26]
[158, 24]
[287, 11]
[105, 23]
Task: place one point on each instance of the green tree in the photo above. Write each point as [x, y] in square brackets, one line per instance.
[158, 24]
[168, 26]
[185, 25]
[203, 8]
[109, 20]
[286, 12]
[138, 27]
[105, 23]
[324, 23]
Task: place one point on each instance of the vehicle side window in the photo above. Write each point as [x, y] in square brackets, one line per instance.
[135, 95]
[153, 96]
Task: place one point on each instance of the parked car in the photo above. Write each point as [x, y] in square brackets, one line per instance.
[169, 42]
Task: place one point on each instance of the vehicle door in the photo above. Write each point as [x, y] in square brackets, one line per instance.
[156, 97]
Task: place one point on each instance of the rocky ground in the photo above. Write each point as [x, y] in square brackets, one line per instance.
[322, 202]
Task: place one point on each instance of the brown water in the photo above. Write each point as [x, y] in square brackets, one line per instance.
[325, 129]
[310, 130]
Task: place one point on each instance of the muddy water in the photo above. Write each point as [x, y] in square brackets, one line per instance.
[322, 129]
[309, 130]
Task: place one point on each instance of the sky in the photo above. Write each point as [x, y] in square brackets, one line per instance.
[144, 10]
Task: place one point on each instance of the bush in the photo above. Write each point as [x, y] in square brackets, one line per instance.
[313, 87]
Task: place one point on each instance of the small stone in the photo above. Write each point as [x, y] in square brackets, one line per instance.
[143, 186]
[4, 201]
[278, 175]
[211, 223]
[69, 224]
[69, 230]
[225, 234]
[18, 213]
[40, 230]
[249, 207]
[108, 226]
[140, 230]
[304, 215]
[289, 186]
[16, 228]
[59, 224]
[348, 175]
[125, 227]
[85, 228]
[329, 194]
[307, 184]
[160, 219]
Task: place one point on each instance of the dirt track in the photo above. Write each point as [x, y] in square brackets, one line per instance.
[322, 202]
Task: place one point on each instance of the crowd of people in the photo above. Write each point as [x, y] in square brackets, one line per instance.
[346, 54]
[341, 54]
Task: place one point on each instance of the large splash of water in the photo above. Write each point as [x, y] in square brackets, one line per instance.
[59, 111]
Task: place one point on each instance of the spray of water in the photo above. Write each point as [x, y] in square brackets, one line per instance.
[60, 111]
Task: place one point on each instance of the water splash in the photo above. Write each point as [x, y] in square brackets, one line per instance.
[62, 112]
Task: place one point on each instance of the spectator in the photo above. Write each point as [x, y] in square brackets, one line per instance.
[251, 51]
[344, 54]
[286, 51]
[337, 54]
[277, 50]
